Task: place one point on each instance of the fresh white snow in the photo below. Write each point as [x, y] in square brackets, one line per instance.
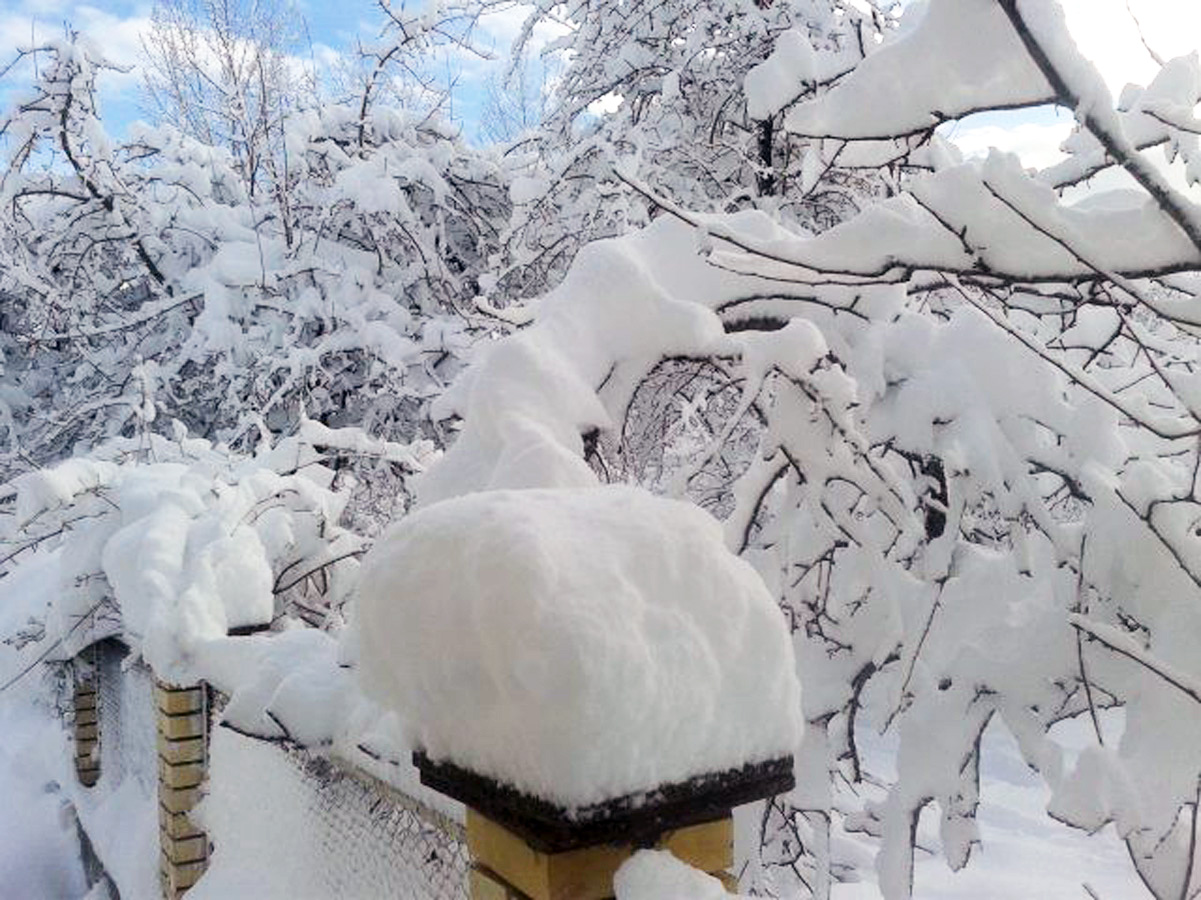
[579, 644]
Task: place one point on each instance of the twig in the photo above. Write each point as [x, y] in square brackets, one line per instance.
[1177, 680]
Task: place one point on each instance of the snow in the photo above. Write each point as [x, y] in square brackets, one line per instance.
[39, 855]
[975, 216]
[579, 644]
[948, 323]
[777, 81]
[293, 681]
[657, 875]
[174, 552]
[1023, 853]
[957, 56]
[529, 398]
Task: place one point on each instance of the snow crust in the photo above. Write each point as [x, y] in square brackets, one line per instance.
[579, 644]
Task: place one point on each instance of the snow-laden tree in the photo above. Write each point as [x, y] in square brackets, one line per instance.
[228, 73]
[957, 434]
[659, 86]
[144, 278]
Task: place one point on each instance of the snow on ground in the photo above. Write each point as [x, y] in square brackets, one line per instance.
[39, 852]
[1025, 854]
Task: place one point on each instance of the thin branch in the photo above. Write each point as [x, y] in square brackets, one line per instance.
[1123, 645]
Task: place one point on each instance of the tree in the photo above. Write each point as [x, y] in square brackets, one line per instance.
[956, 434]
[515, 102]
[143, 283]
[660, 88]
[227, 73]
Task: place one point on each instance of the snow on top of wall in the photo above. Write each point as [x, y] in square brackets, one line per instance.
[579, 644]
[174, 543]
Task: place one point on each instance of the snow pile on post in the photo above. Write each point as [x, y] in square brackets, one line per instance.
[578, 644]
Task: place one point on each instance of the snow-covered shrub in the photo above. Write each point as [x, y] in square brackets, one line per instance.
[172, 543]
[142, 280]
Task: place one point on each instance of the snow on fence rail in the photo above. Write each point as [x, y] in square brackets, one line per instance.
[279, 821]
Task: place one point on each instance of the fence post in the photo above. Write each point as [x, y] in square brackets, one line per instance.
[524, 847]
[183, 723]
[505, 866]
[87, 722]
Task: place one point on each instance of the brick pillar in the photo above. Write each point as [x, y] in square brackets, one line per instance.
[182, 714]
[87, 729]
[506, 867]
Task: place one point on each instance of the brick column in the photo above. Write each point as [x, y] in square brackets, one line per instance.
[506, 867]
[182, 714]
[87, 730]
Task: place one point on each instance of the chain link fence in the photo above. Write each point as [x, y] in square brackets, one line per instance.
[376, 841]
[283, 822]
[126, 715]
[293, 823]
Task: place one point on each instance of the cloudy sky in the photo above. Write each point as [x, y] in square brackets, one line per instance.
[1104, 29]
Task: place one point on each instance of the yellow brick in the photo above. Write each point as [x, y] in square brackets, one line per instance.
[176, 826]
[178, 801]
[184, 875]
[728, 881]
[86, 716]
[708, 847]
[86, 733]
[186, 850]
[180, 775]
[188, 750]
[585, 874]
[184, 700]
[87, 757]
[178, 877]
[486, 886]
[188, 725]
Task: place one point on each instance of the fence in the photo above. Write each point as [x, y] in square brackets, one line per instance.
[279, 821]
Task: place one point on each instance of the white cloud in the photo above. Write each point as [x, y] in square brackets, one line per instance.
[502, 28]
[1106, 33]
[1036, 144]
[117, 38]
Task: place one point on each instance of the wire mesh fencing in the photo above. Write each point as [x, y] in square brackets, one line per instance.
[290, 822]
[281, 821]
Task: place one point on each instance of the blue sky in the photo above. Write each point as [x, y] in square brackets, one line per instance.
[334, 27]
[1102, 27]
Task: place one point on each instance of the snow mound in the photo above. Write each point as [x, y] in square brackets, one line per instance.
[578, 644]
[657, 875]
